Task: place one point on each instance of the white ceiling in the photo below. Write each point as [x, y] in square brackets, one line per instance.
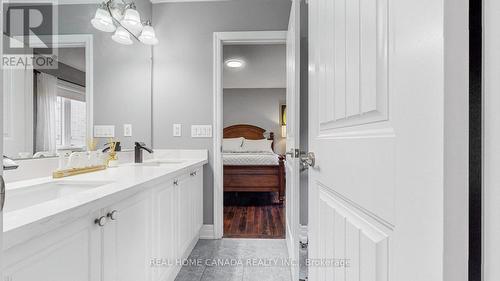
[265, 66]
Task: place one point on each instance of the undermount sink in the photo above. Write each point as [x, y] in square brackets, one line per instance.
[23, 197]
[166, 161]
[160, 162]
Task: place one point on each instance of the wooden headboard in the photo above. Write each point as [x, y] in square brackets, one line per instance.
[249, 132]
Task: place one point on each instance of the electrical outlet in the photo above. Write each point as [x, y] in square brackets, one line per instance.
[177, 130]
[127, 130]
[104, 131]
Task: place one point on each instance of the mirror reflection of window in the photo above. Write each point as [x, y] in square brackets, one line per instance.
[45, 110]
[70, 116]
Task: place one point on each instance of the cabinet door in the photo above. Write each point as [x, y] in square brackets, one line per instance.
[71, 252]
[197, 187]
[199, 190]
[164, 230]
[127, 240]
[183, 185]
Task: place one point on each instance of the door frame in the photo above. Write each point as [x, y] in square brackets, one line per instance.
[219, 40]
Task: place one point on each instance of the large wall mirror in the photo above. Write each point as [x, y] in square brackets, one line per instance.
[49, 110]
[97, 81]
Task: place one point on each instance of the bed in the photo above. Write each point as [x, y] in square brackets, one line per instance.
[252, 171]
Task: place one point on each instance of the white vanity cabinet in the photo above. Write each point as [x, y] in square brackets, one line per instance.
[165, 250]
[179, 203]
[190, 209]
[71, 251]
[161, 222]
[126, 239]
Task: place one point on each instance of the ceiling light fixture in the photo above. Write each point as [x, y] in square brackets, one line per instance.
[235, 63]
[123, 19]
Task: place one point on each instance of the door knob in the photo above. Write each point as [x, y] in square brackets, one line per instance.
[113, 215]
[308, 159]
[100, 221]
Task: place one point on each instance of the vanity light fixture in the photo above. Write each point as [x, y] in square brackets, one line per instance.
[123, 19]
[235, 63]
[102, 20]
[148, 35]
[122, 36]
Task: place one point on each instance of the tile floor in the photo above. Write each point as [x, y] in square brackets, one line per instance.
[238, 260]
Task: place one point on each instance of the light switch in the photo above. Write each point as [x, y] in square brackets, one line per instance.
[177, 130]
[201, 131]
[127, 130]
[104, 131]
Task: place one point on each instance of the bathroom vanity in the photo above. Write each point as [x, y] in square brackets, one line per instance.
[135, 222]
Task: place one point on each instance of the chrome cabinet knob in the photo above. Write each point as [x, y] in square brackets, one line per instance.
[193, 174]
[113, 215]
[100, 221]
[176, 182]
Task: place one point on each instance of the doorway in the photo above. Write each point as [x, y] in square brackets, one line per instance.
[250, 125]
[253, 146]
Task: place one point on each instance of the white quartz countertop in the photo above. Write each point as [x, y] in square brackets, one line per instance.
[124, 180]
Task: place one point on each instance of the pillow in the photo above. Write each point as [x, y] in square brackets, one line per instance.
[232, 145]
[262, 145]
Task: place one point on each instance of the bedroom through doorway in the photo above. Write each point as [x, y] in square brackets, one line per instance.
[254, 140]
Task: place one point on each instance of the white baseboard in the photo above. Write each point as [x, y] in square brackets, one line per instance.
[207, 231]
[303, 233]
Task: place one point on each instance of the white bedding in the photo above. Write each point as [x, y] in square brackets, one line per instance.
[249, 158]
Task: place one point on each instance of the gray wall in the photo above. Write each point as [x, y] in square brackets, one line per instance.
[259, 107]
[265, 66]
[182, 80]
[122, 74]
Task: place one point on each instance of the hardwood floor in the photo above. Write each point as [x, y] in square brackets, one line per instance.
[253, 215]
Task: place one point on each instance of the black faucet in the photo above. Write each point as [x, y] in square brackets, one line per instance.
[139, 146]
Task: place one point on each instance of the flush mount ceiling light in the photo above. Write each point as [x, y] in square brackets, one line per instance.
[234, 63]
[123, 19]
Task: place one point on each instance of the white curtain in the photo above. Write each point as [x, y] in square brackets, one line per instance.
[46, 101]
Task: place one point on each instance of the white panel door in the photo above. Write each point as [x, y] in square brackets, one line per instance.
[293, 134]
[2, 183]
[376, 128]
